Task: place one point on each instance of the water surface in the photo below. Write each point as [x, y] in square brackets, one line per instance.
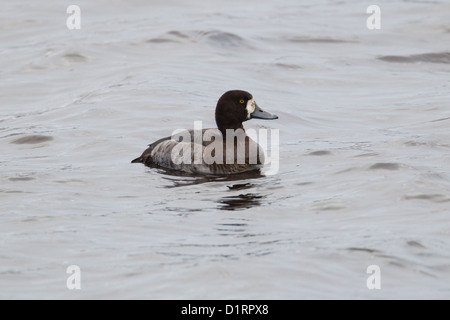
[364, 173]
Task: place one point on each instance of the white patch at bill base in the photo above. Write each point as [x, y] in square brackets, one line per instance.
[251, 105]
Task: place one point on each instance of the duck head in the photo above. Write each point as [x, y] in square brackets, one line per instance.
[236, 106]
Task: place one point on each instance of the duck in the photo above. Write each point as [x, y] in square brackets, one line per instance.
[224, 150]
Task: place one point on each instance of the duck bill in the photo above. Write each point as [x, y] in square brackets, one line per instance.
[261, 114]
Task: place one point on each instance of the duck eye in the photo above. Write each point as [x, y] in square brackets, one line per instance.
[242, 101]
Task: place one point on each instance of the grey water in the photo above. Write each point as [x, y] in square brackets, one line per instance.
[364, 176]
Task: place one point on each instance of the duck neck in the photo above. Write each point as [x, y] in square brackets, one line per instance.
[224, 128]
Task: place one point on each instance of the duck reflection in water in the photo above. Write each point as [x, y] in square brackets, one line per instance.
[234, 202]
[240, 202]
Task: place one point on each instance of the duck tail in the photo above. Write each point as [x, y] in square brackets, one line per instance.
[138, 160]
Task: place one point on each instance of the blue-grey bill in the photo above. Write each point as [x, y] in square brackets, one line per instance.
[261, 114]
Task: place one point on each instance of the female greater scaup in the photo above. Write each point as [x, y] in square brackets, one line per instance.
[225, 150]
